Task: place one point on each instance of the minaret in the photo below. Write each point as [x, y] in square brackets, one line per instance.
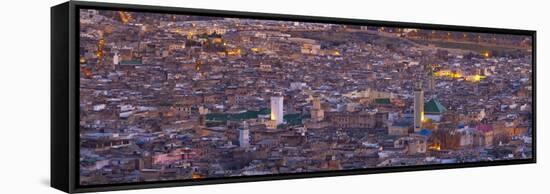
[317, 114]
[431, 81]
[418, 106]
[277, 109]
[116, 59]
[202, 116]
[244, 136]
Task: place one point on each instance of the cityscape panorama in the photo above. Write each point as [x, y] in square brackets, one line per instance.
[180, 97]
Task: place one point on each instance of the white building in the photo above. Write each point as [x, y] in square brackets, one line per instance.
[244, 136]
[99, 107]
[116, 59]
[418, 107]
[277, 109]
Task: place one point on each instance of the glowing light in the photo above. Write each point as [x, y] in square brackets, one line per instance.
[436, 147]
[234, 52]
[125, 17]
[100, 45]
[475, 78]
[486, 54]
[87, 72]
[217, 41]
[422, 116]
[198, 66]
[254, 49]
[196, 176]
[448, 73]
[456, 75]
[443, 73]
[273, 116]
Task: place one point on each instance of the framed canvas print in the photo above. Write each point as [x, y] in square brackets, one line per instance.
[148, 96]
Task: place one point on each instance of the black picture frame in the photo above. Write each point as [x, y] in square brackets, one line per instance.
[65, 87]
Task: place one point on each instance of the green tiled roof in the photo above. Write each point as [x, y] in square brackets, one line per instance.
[382, 101]
[296, 118]
[236, 116]
[130, 62]
[219, 118]
[434, 106]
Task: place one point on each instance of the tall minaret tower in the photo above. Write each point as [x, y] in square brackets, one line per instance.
[202, 116]
[317, 114]
[244, 136]
[431, 81]
[418, 106]
[277, 109]
[116, 59]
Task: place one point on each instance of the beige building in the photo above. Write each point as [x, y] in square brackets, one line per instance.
[351, 119]
[413, 144]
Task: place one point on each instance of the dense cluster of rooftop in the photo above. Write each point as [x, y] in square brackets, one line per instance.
[175, 97]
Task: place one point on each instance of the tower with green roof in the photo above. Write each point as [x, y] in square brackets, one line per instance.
[433, 109]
